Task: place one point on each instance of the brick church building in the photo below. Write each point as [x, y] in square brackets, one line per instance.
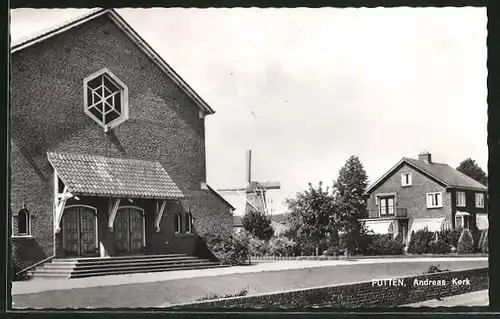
[107, 153]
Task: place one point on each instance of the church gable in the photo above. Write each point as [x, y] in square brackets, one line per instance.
[58, 66]
[58, 104]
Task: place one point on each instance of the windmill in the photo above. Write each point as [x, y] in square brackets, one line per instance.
[255, 192]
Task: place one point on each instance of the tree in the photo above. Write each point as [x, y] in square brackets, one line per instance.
[350, 187]
[258, 224]
[470, 168]
[311, 214]
[350, 202]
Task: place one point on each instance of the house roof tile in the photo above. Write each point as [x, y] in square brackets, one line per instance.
[104, 176]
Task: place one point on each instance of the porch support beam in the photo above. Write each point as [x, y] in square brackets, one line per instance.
[112, 215]
[159, 215]
[60, 204]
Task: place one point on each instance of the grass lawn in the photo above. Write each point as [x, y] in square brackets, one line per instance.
[185, 290]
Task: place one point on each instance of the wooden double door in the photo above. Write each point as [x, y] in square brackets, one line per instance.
[129, 231]
[79, 231]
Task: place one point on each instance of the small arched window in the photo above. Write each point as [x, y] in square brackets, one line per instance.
[177, 223]
[23, 222]
[189, 223]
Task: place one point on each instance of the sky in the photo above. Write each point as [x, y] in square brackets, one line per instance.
[307, 88]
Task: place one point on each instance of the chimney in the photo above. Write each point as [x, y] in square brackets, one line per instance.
[425, 156]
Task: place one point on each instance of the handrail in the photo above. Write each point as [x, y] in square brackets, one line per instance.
[34, 265]
[398, 212]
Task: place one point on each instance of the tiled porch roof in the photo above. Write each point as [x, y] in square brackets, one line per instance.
[105, 176]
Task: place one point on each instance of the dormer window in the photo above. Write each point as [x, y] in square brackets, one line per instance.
[106, 99]
[406, 179]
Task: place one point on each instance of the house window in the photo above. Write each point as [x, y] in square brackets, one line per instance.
[189, 223]
[406, 179]
[386, 206]
[106, 99]
[177, 223]
[461, 199]
[479, 200]
[23, 222]
[434, 200]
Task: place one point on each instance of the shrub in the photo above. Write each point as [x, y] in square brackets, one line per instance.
[333, 251]
[434, 269]
[230, 250]
[465, 243]
[476, 236]
[258, 224]
[439, 247]
[282, 246]
[384, 245]
[450, 236]
[481, 241]
[485, 246]
[258, 246]
[419, 241]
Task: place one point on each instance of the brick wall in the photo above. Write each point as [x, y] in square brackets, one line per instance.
[413, 197]
[47, 115]
[365, 294]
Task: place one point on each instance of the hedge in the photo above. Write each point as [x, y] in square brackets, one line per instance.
[465, 243]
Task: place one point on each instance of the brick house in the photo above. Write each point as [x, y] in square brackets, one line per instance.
[107, 153]
[415, 194]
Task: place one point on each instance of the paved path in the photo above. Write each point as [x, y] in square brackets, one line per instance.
[471, 299]
[39, 285]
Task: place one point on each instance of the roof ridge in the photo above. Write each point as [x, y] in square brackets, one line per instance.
[416, 159]
[63, 24]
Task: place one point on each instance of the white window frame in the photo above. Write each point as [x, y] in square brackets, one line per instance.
[189, 223]
[178, 222]
[403, 179]
[123, 94]
[479, 200]
[439, 201]
[458, 202]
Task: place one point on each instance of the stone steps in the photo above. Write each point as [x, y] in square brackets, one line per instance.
[90, 267]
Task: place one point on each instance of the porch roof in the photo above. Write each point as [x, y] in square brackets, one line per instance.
[105, 176]
[432, 224]
[379, 226]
